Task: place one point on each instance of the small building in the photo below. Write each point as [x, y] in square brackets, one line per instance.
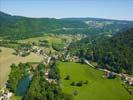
[6, 96]
[46, 74]
[127, 79]
[109, 75]
[71, 58]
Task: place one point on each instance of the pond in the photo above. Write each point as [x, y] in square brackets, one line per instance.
[23, 86]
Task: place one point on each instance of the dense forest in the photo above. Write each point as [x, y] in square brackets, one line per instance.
[113, 53]
[17, 27]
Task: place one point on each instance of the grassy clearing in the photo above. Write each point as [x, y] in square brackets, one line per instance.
[7, 58]
[97, 87]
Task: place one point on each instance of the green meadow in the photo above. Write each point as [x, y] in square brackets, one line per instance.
[97, 87]
[50, 38]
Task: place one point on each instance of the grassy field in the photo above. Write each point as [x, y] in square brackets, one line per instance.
[97, 87]
[7, 58]
[50, 38]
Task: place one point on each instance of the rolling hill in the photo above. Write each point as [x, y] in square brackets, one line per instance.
[19, 27]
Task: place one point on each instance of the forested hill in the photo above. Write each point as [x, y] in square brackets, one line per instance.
[105, 24]
[115, 53]
[18, 27]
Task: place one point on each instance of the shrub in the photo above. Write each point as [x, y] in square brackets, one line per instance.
[67, 77]
[73, 83]
[15, 53]
[86, 82]
[80, 83]
[75, 92]
[25, 54]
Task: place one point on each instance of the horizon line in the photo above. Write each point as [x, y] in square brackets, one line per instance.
[113, 19]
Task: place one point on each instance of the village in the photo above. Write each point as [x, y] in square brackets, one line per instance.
[6, 95]
[125, 78]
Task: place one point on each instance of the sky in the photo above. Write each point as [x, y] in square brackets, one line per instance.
[110, 9]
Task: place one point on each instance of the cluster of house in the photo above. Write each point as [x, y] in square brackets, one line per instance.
[22, 51]
[5, 95]
[53, 81]
[39, 51]
[127, 79]
[109, 75]
[72, 58]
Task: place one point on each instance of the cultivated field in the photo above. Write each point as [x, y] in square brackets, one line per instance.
[97, 87]
[7, 58]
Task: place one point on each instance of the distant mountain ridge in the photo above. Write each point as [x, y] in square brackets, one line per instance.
[95, 19]
[19, 27]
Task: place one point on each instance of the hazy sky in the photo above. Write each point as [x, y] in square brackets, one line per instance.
[112, 9]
